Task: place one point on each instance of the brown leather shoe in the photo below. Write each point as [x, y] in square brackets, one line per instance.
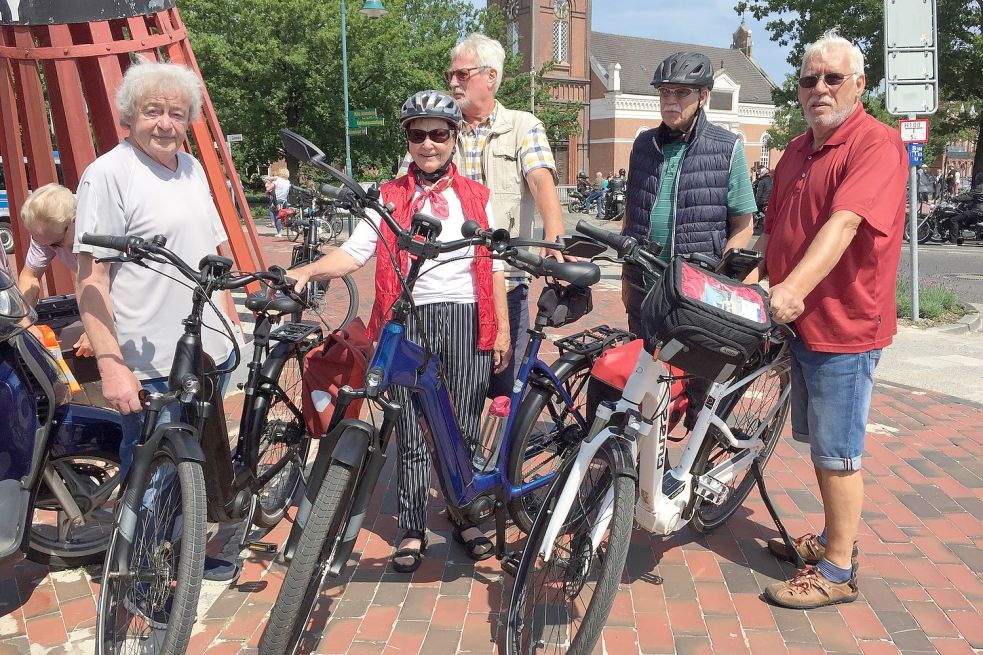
[808, 589]
[809, 549]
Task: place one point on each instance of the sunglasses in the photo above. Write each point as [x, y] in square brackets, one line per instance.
[463, 74]
[831, 79]
[437, 136]
[680, 93]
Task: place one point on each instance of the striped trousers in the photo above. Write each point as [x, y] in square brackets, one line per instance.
[451, 331]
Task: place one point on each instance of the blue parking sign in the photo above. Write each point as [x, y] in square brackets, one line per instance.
[915, 153]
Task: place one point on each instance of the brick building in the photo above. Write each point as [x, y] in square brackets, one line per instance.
[609, 76]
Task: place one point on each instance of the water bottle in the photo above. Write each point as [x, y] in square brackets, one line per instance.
[489, 437]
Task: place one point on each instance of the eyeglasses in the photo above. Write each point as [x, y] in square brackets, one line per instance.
[463, 74]
[681, 93]
[437, 136]
[831, 79]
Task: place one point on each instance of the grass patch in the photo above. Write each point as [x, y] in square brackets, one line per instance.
[936, 302]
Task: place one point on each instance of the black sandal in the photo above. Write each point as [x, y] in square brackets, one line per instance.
[415, 553]
[474, 547]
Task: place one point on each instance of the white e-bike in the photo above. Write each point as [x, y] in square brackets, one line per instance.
[576, 551]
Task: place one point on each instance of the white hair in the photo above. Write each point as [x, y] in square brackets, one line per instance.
[487, 52]
[145, 78]
[833, 41]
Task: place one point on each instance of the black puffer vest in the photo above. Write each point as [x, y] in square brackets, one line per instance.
[701, 223]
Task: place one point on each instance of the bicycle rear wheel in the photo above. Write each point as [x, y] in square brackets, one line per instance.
[283, 443]
[561, 605]
[545, 430]
[333, 303]
[302, 584]
[149, 605]
[744, 410]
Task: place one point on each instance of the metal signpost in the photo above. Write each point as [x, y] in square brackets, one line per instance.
[911, 75]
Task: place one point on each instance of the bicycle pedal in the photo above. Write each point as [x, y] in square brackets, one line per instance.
[510, 562]
[711, 489]
[262, 547]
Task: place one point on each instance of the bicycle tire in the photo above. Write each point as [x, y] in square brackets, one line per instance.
[924, 230]
[742, 411]
[544, 426]
[281, 429]
[293, 232]
[530, 611]
[120, 600]
[333, 303]
[302, 584]
[91, 475]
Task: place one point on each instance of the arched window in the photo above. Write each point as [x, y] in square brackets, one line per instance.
[512, 37]
[561, 30]
[765, 157]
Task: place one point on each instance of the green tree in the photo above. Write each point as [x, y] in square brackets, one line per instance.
[796, 23]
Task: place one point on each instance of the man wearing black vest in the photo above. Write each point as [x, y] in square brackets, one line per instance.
[688, 186]
[688, 182]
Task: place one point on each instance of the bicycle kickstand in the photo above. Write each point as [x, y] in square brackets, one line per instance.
[760, 479]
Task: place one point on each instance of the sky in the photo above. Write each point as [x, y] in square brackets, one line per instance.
[702, 22]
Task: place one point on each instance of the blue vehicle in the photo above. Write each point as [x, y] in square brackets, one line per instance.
[544, 423]
[59, 461]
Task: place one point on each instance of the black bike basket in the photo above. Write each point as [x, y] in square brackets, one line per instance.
[706, 324]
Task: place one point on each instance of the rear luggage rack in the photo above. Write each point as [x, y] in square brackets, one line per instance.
[297, 332]
[593, 341]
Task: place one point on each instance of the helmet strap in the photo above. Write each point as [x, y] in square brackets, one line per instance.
[437, 174]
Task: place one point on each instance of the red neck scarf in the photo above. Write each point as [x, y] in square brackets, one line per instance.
[433, 192]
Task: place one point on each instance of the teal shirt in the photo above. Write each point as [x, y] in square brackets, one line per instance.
[740, 194]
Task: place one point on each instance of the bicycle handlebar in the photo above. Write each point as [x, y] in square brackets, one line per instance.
[628, 248]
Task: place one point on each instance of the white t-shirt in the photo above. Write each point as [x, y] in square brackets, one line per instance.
[452, 281]
[125, 192]
[281, 189]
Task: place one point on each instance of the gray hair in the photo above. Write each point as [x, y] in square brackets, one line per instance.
[487, 52]
[831, 40]
[145, 78]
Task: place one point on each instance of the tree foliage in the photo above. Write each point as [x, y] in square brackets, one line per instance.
[270, 64]
[796, 23]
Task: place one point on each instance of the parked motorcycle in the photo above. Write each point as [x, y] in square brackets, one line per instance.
[936, 224]
[575, 205]
[59, 461]
[614, 202]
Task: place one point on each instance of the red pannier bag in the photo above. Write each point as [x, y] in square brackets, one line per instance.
[341, 359]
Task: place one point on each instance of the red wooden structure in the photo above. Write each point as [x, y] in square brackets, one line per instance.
[57, 84]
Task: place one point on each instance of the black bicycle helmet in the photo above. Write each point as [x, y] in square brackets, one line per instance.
[431, 104]
[690, 68]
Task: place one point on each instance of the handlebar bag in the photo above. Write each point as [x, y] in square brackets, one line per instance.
[704, 323]
[341, 359]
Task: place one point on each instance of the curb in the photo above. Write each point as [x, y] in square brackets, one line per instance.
[972, 322]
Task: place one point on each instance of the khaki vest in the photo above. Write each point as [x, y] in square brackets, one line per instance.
[512, 202]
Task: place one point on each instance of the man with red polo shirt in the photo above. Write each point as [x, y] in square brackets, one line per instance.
[832, 240]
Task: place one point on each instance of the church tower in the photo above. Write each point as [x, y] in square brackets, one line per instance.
[558, 30]
[742, 39]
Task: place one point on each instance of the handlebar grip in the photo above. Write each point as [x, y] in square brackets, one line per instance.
[611, 239]
[107, 241]
[335, 193]
[527, 257]
[470, 229]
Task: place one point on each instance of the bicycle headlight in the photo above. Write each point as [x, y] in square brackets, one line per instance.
[16, 315]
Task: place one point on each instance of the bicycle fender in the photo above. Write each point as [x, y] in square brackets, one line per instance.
[352, 445]
[273, 364]
[180, 441]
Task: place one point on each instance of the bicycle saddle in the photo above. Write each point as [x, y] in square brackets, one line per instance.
[581, 274]
[262, 304]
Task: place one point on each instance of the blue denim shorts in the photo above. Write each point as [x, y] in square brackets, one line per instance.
[830, 402]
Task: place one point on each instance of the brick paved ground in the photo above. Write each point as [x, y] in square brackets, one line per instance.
[921, 565]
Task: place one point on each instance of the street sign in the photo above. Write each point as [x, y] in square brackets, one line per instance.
[915, 153]
[911, 72]
[914, 131]
[361, 113]
[233, 138]
[367, 121]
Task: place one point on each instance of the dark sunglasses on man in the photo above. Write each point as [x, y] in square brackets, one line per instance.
[831, 79]
[462, 74]
[440, 135]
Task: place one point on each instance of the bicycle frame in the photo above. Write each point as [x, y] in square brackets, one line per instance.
[665, 496]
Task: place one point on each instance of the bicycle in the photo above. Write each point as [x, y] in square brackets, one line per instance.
[306, 204]
[153, 567]
[323, 300]
[576, 551]
[347, 467]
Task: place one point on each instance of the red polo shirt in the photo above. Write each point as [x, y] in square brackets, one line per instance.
[862, 168]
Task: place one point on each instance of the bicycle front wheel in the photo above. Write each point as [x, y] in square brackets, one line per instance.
[302, 584]
[546, 429]
[561, 605]
[333, 303]
[744, 411]
[283, 443]
[150, 587]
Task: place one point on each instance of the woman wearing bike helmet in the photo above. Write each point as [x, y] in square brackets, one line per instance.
[460, 301]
